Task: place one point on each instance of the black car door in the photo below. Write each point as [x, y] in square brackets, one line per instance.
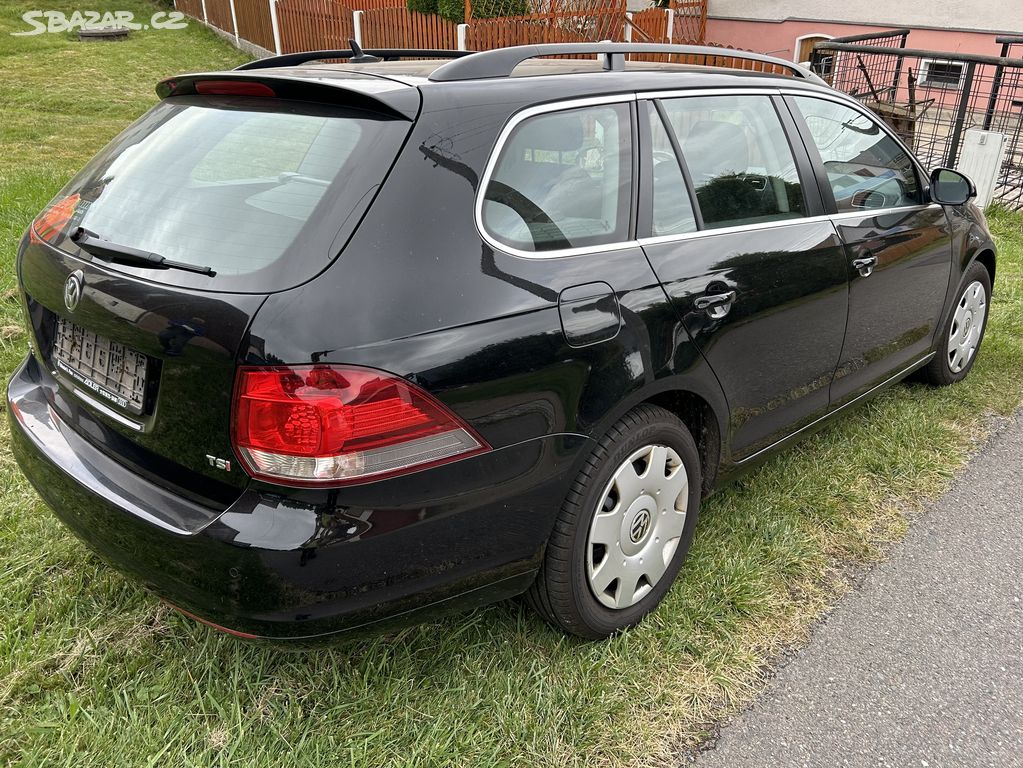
[899, 248]
[758, 275]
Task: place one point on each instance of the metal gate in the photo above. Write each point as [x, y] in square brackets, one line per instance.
[930, 98]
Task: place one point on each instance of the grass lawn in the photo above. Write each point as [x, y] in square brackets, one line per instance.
[95, 671]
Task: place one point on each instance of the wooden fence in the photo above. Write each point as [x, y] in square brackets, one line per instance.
[375, 5]
[557, 27]
[401, 28]
[313, 25]
[218, 14]
[287, 26]
[690, 22]
[191, 8]
[254, 22]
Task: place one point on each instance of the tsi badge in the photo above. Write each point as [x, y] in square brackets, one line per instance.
[216, 463]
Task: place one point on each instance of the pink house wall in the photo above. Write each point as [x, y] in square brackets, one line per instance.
[779, 38]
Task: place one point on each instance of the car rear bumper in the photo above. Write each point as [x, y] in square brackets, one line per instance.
[298, 564]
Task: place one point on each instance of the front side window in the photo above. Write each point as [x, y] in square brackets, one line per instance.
[563, 180]
[742, 167]
[866, 167]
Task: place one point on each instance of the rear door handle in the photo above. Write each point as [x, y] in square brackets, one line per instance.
[716, 305]
[865, 264]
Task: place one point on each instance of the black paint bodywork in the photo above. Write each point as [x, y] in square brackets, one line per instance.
[539, 355]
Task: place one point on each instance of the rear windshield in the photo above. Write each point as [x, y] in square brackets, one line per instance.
[263, 191]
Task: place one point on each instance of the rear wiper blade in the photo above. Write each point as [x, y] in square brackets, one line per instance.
[124, 254]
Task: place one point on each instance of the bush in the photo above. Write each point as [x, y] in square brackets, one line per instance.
[454, 10]
[422, 6]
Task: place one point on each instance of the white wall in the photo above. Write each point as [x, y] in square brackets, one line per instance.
[989, 15]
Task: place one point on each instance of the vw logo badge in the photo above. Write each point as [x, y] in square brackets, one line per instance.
[73, 290]
[640, 525]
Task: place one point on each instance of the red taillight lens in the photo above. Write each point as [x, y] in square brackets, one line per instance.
[49, 224]
[327, 425]
[233, 88]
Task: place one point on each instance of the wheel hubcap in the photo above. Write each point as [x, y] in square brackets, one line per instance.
[638, 526]
[967, 323]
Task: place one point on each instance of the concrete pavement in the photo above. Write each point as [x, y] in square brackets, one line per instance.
[920, 666]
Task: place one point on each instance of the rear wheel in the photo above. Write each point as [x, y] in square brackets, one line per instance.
[963, 331]
[624, 529]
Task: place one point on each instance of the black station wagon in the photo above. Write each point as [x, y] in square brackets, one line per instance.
[315, 346]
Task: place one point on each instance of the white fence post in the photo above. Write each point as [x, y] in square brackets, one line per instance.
[628, 26]
[463, 31]
[671, 23]
[204, 21]
[234, 21]
[276, 27]
[357, 26]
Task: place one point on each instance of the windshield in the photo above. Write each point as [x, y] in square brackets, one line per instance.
[261, 190]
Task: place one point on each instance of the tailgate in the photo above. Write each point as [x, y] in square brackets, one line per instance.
[151, 367]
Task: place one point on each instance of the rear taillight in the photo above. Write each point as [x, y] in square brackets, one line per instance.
[330, 425]
[52, 222]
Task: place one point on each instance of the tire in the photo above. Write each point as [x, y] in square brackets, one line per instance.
[961, 334]
[576, 564]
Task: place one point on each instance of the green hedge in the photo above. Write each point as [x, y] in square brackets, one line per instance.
[454, 10]
[423, 6]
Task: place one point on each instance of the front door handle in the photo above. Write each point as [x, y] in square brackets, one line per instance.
[865, 264]
[716, 305]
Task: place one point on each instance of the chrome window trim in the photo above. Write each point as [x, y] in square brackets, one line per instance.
[867, 212]
[832, 217]
[625, 98]
[699, 92]
[680, 93]
[622, 245]
[658, 239]
[495, 154]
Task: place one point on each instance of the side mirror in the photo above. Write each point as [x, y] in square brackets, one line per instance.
[950, 187]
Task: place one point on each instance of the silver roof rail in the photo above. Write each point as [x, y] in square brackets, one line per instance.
[501, 62]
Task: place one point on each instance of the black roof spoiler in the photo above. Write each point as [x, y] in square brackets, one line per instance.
[353, 89]
[353, 54]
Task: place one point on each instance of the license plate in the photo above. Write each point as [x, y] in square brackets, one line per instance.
[108, 369]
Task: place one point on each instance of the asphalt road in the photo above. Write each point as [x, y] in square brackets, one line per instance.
[922, 665]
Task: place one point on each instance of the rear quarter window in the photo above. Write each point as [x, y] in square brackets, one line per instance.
[562, 180]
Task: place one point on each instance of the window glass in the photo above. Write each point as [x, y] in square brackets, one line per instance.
[940, 74]
[254, 188]
[563, 181]
[866, 168]
[741, 164]
[671, 207]
[271, 144]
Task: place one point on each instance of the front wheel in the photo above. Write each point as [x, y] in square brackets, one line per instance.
[963, 331]
[624, 529]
